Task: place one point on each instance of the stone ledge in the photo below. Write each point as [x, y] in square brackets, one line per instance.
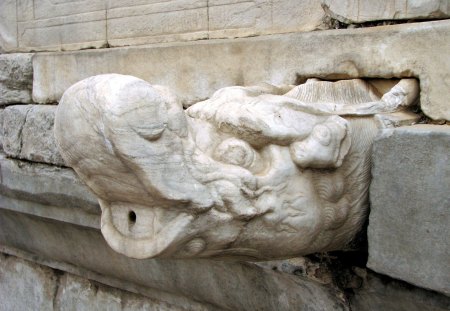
[25, 285]
[48, 191]
[410, 206]
[408, 50]
[225, 285]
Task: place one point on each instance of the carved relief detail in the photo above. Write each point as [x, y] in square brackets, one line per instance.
[258, 172]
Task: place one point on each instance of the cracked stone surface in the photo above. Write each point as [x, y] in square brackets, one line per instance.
[16, 78]
[28, 133]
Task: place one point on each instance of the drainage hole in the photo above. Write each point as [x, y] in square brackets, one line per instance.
[132, 217]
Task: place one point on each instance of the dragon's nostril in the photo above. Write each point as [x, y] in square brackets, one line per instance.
[132, 217]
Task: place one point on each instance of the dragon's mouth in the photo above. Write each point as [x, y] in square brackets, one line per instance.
[142, 232]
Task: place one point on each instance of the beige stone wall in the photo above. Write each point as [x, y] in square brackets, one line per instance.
[60, 25]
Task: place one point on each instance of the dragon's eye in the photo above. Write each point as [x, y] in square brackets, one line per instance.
[235, 151]
[322, 134]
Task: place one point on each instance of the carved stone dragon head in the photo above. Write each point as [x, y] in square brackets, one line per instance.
[258, 172]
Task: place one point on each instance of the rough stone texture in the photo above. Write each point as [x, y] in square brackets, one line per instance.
[360, 11]
[28, 133]
[25, 286]
[1, 128]
[45, 25]
[8, 25]
[74, 291]
[382, 293]
[225, 285]
[16, 78]
[131, 23]
[60, 25]
[28, 286]
[410, 206]
[407, 50]
[49, 186]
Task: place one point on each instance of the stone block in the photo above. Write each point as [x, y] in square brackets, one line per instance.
[28, 133]
[220, 284]
[195, 70]
[86, 295]
[410, 206]
[360, 11]
[134, 23]
[228, 18]
[61, 25]
[48, 185]
[291, 16]
[16, 78]
[25, 286]
[8, 25]
[379, 292]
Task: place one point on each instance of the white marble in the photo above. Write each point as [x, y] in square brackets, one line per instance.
[248, 173]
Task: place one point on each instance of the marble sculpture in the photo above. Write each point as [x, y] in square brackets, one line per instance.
[253, 173]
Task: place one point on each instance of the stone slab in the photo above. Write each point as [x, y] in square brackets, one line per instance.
[26, 285]
[58, 192]
[8, 26]
[408, 50]
[410, 206]
[16, 78]
[45, 25]
[131, 23]
[378, 292]
[360, 11]
[225, 285]
[28, 133]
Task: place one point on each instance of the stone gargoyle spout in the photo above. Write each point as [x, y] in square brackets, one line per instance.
[259, 172]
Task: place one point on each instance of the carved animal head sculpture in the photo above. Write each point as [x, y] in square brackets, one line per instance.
[248, 173]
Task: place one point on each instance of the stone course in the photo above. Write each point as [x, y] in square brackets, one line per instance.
[28, 286]
[410, 206]
[44, 25]
[47, 185]
[225, 285]
[410, 50]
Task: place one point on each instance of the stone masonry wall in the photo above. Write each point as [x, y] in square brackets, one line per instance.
[52, 255]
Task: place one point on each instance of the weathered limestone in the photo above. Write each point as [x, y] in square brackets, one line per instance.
[381, 293]
[8, 25]
[28, 133]
[16, 78]
[131, 23]
[25, 286]
[224, 285]
[44, 25]
[29, 286]
[50, 186]
[62, 25]
[410, 50]
[360, 11]
[410, 206]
